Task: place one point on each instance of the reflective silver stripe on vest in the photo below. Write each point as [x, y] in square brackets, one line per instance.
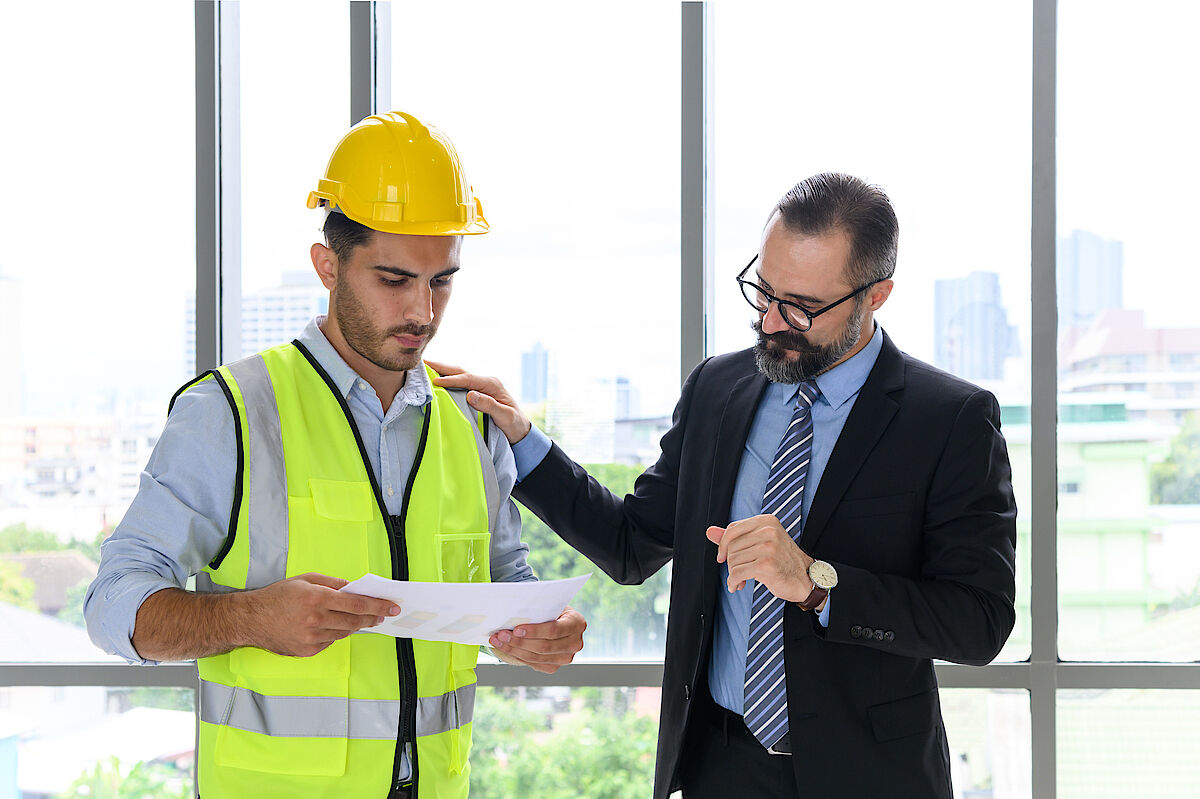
[267, 477]
[491, 483]
[328, 716]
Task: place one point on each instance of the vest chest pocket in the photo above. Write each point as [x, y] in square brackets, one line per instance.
[463, 557]
[331, 530]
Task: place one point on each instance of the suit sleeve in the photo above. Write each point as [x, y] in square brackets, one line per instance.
[629, 537]
[961, 606]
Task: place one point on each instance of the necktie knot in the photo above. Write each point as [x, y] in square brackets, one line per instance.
[807, 394]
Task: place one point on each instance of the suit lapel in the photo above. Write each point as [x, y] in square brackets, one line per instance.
[872, 413]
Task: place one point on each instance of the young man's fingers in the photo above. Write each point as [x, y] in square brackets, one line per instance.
[323, 579]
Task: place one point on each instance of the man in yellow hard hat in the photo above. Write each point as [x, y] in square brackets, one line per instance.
[281, 476]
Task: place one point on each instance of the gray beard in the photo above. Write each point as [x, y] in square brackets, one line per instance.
[772, 349]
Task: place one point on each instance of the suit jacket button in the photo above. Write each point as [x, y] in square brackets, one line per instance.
[879, 635]
[867, 632]
[889, 636]
[856, 631]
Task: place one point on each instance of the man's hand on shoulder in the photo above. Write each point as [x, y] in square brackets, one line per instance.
[542, 647]
[486, 395]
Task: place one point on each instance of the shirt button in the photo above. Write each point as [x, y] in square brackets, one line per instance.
[362, 384]
[390, 491]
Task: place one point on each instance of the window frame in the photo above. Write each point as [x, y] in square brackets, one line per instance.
[218, 236]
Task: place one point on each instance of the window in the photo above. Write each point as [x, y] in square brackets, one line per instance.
[909, 132]
[935, 96]
[578, 174]
[1102, 100]
[105, 220]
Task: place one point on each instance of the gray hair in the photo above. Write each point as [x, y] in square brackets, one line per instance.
[831, 201]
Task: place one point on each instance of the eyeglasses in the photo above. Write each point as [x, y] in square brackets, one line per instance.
[796, 317]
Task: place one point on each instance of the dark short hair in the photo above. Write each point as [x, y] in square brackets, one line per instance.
[343, 234]
[831, 201]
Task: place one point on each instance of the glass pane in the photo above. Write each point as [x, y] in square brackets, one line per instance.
[295, 106]
[563, 743]
[1117, 744]
[1128, 344]
[101, 174]
[572, 298]
[989, 737]
[92, 741]
[931, 101]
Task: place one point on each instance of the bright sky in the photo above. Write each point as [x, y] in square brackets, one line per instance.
[567, 116]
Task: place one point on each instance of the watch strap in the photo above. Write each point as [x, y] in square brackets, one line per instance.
[814, 598]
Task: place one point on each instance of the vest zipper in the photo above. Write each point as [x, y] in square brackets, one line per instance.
[404, 647]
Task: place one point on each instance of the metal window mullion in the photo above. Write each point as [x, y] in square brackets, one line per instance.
[208, 315]
[697, 227]
[370, 58]
[1044, 666]
[218, 184]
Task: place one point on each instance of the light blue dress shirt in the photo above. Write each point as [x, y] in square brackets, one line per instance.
[839, 389]
[179, 518]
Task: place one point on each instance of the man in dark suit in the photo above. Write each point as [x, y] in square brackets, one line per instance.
[839, 514]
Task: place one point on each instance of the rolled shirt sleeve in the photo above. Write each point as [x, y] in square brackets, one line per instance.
[176, 524]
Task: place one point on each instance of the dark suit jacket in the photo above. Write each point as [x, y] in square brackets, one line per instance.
[915, 510]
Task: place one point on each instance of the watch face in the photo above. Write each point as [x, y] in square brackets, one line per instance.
[822, 574]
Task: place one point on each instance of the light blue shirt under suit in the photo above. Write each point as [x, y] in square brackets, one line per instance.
[839, 389]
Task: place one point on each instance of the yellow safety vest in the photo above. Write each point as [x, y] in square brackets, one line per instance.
[306, 500]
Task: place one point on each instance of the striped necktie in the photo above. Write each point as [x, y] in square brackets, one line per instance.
[766, 688]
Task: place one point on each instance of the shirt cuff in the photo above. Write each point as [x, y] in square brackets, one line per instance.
[823, 616]
[530, 451]
[111, 619]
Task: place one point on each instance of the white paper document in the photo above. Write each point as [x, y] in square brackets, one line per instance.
[466, 613]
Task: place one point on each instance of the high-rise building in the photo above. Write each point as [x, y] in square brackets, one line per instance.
[972, 336]
[535, 370]
[1090, 271]
[269, 317]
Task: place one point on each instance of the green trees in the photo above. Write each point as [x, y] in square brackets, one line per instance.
[15, 589]
[18, 590]
[1176, 481]
[623, 621]
[591, 750]
[109, 779]
[600, 746]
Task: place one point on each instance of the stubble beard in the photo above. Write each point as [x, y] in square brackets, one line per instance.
[771, 350]
[367, 340]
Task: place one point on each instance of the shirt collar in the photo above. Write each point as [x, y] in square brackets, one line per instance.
[416, 390]
[841, 383]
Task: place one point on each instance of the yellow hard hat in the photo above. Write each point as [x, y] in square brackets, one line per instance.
[396, 175]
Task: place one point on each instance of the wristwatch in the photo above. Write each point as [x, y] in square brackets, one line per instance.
[824, 578]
